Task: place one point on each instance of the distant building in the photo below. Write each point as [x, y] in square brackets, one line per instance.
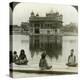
[45, 31]
[25, 26]
[70, 29]
[16, 29]
[22, 29]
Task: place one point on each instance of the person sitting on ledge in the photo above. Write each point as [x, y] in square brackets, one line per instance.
[15, 57]
[22, 60]
[43, 63]
[72, 59]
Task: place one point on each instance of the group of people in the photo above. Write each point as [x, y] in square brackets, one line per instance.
[22, 59]
[19, 60]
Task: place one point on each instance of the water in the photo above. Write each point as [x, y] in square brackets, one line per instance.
[23, 42]
[61, 56]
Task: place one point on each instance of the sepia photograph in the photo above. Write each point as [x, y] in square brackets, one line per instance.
[43, 39]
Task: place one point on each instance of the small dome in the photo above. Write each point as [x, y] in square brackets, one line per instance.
[32, 13]
[37, 14]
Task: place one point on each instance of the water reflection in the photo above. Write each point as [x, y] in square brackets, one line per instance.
[49, 43]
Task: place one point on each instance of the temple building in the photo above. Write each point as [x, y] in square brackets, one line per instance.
[52, 23]
[45, 31]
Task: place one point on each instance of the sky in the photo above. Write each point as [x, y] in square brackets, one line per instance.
[22, 12]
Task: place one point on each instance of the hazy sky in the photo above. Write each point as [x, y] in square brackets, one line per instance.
[22, 12]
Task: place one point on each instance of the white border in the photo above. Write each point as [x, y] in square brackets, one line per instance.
[4, 40]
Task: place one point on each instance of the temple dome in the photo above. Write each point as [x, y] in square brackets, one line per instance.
[37, 14]
[32, 13]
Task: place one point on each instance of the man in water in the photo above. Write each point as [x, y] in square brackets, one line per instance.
[72, 59]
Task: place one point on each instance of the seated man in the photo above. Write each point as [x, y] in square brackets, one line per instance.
[15, 57]
[43, 63]
[72, 59]
[22, 58]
